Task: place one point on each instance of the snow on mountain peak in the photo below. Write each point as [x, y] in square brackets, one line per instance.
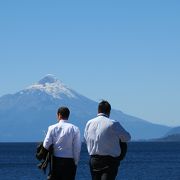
[49, 78]
[52, 86]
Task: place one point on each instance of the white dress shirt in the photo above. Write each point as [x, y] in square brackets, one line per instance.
[102, 136]
[65, 138]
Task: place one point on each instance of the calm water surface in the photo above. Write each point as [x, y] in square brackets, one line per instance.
[144, 161]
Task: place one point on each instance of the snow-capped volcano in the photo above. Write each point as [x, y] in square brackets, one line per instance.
[52, 86]
[26, 114]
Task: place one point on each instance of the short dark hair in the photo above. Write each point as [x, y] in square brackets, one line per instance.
[64, 112]
[104, 107]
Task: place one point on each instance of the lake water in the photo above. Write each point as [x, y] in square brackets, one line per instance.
[144, 161]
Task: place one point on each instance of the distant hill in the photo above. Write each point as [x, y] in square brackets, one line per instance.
[25, 115]
[172, 137]
[175, 130]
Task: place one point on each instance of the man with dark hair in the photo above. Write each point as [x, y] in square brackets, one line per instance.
[102, 136]
[104, 107]
[65, 138]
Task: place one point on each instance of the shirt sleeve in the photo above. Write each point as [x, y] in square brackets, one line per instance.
[76, 146]
[48, 139]
[122, 133]
[85, 134]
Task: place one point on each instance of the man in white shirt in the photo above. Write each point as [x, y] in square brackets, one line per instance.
[102, 136]
[65, 138]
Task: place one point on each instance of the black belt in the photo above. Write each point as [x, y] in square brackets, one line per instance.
[62, 158]
[102, 156]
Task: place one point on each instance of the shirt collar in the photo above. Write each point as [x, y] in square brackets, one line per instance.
[62, 121]
[102, 114]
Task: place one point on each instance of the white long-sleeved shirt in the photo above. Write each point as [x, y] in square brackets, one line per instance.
[66, 140]
[102, 136]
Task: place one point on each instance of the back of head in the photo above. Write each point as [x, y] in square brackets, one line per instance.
[104, 107]
[64, 112]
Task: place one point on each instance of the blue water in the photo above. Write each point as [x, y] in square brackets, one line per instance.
[144, 161]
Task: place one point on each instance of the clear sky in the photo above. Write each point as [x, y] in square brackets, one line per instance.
[127, 52]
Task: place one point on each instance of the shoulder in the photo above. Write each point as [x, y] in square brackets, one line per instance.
[74, 127]
[115, 123]
[113, 120]
[92, 120]
[51, 127]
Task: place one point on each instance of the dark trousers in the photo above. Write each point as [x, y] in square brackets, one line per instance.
[103, 167]
[63, 169]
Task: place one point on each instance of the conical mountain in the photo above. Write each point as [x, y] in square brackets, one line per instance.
[26, 115]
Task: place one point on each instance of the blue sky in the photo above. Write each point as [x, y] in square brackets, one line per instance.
[127, 52]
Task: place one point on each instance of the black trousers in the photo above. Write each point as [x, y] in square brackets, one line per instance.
[63, 169]
[103, 167]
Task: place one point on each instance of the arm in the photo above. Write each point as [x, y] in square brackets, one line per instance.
[122, 133]
[85, 134]
[76, 146]
[48, 139]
